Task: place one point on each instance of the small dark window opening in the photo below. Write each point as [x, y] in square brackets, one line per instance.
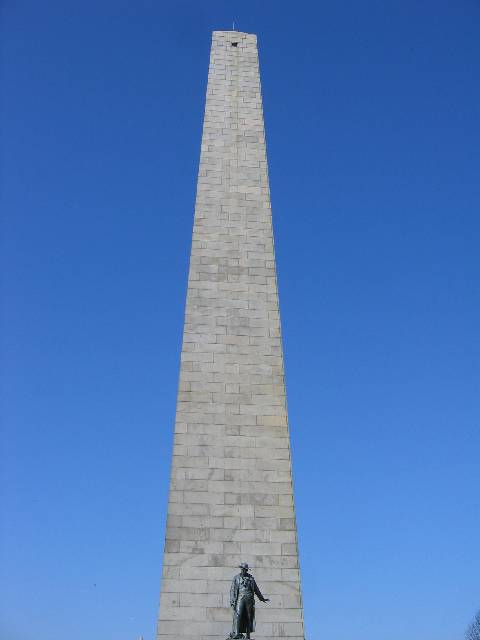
[234, 44]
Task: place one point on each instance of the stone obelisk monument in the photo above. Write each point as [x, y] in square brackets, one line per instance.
[231, 495]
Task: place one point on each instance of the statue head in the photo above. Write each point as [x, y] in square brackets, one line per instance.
[244, 567]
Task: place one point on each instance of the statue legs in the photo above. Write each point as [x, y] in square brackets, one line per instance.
[243, 618]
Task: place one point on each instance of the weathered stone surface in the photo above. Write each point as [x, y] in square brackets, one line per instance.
[231, 497]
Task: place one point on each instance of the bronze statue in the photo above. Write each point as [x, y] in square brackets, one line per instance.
[242, 600]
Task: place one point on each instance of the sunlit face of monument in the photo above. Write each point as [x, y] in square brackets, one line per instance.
[231, 499]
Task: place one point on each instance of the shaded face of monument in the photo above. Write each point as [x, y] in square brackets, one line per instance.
[244, 571]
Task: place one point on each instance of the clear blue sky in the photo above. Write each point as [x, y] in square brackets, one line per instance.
[373, 132]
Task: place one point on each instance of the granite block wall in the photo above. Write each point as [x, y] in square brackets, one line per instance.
[231, 496]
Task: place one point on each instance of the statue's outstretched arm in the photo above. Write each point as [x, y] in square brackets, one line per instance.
[258, 593]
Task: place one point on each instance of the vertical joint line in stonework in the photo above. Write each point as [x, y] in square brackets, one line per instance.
[236, 131]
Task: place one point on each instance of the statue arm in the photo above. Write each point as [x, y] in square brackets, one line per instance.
[258, 593]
